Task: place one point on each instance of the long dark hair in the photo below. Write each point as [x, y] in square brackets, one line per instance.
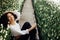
[4, 20]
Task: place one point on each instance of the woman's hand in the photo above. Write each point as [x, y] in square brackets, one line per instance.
[33, 26]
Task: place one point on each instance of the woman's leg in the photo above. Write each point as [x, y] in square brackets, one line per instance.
[32, 34]
[26, 25]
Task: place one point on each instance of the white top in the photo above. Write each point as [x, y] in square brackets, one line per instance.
[16, 30]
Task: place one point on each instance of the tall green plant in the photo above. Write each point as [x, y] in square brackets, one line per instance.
[48, 19]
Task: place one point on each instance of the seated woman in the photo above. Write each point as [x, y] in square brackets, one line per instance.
[8, 19]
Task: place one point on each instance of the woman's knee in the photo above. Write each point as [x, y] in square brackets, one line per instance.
[26, 25]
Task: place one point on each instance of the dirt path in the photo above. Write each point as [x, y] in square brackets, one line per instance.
[27, 13]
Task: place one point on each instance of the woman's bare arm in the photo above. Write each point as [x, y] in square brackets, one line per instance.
[33, 26]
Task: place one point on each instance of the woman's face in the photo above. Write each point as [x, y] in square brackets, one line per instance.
[10, 17]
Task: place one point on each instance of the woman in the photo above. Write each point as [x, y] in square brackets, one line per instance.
[9, 18]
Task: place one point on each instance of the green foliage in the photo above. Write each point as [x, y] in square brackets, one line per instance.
[5, 34]
[9, 5]
[48, 19]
